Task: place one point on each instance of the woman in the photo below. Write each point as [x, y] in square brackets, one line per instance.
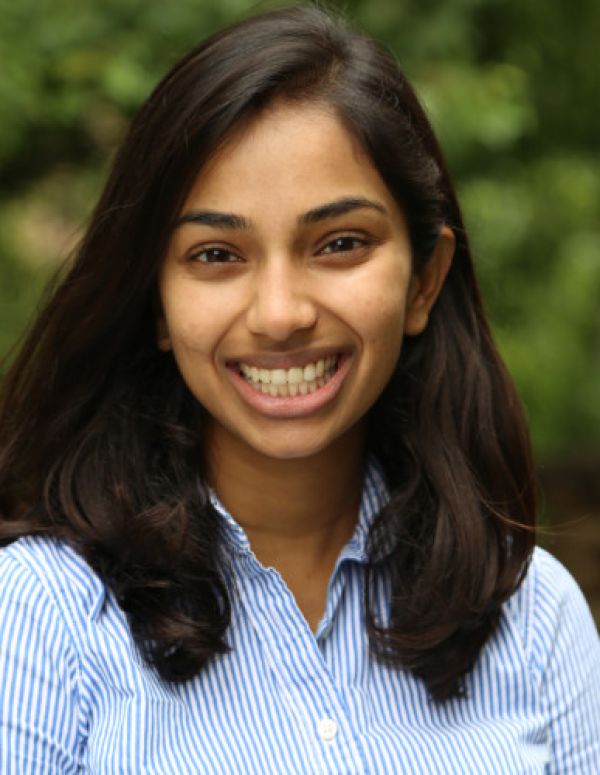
[267, 492]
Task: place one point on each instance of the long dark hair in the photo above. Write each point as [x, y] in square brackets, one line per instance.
[101, 442]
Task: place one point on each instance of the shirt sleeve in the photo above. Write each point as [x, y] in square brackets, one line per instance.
[566, 653]
[39, 722]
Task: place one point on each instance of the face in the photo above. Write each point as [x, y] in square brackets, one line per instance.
[286, 289]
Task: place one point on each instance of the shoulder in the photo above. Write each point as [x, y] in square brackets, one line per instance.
[546, 591]
[40, 571]
[553, 616]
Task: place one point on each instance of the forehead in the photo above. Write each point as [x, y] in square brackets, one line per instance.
[290, 154]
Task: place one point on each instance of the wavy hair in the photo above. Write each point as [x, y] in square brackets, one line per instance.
[101, 441]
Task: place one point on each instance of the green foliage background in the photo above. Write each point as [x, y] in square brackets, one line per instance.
[512, 89]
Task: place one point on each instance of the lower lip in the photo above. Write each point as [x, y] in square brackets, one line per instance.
[292, 406]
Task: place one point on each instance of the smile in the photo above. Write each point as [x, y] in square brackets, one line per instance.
[291, 382]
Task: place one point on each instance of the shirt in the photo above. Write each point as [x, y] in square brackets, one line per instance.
[75, 695]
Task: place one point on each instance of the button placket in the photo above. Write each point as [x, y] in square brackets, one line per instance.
[304, 677]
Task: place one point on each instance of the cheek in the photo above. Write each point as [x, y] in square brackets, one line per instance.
[193, 323]
[378, 316]
[383, 337]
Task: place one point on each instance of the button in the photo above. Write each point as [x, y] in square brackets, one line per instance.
[327, 729]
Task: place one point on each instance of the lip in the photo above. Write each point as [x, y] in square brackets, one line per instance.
[290, 406]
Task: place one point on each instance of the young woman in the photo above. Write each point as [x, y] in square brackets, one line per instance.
[266, 490]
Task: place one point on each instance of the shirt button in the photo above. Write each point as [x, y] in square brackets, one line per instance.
[327, 729]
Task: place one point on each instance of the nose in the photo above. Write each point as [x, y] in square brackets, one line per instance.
[281, 302]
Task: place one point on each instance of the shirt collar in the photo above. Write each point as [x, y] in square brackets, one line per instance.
[375, 495]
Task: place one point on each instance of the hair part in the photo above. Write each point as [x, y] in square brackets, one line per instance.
[101, 442]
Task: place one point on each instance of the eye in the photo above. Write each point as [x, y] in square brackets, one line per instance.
[214, 255]
[344, 244]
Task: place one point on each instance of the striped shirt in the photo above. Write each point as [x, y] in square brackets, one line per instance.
[75, 696]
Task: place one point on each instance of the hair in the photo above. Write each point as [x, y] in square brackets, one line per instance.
[101, 441]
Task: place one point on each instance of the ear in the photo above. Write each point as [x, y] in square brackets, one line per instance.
[427, 283]
[163, 340]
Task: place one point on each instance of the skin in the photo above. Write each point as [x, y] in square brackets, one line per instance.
[277, 287]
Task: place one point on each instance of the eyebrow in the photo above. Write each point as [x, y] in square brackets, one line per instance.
[323, 212]
[340, 207]
[214, 218]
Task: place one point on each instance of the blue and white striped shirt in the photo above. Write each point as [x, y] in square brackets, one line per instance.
[75, 696]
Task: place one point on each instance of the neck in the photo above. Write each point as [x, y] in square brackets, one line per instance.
[300, 510]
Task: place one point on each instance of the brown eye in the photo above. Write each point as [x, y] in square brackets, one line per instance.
[344, 245]
[214, 256]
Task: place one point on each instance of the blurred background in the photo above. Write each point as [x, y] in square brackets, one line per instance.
[513, 90]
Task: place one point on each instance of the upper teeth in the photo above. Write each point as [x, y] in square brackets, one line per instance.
[293, 376]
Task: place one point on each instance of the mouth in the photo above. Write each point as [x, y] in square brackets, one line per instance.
[295, 381]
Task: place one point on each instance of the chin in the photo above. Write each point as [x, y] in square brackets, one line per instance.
[289, 451]
[295, 443]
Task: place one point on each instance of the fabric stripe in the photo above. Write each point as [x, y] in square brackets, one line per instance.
[75, 695]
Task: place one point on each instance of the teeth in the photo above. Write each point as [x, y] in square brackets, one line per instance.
[291, 382]
[279, 377]
[310, 372]
[295, 376]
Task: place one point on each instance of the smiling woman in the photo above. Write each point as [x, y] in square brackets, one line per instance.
[265, 486]
[271, 276]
